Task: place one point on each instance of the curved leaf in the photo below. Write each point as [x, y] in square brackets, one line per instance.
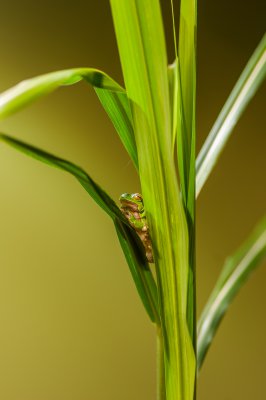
[130, 243]
[29, 90]
[235, 272]
[245, 88]
[117, 106]
[98, 195]
[112, 95]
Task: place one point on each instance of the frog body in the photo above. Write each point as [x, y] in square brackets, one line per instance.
[133, 208]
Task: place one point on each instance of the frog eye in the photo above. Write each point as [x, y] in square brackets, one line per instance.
[137, 196]
[124, 196]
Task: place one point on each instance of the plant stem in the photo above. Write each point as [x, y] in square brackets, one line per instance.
[140, 36]
[161, 395]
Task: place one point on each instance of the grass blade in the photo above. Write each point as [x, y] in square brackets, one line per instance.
[113, 98]
[141, 273]
[98, 195]
[248, 83]
[187, 137]
[29, 90]
[173, 92]
[235, 272]
[117, 106]
[174, 89]
[187, 63]
[178, 133]
[130, 243]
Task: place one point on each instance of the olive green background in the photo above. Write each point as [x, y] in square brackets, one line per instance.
[72, 326]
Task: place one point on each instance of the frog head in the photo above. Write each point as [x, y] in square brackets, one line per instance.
[133, 208]
[133, 201]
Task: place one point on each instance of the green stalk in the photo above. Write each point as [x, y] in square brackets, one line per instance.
[161, 395]
[142, 50]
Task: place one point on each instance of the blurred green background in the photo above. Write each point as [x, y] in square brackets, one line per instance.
[72, 326]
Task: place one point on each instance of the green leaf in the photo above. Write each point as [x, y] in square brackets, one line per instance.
[187, 65]
[130, 243]
[139, 268]
[248, 83]
[172, 81]
[98, 195]
[186, 138]
[29, 90]
[117, 107]
[236, 271]
[174, 89]
[141, 43]
[111, 94]
[178, 132]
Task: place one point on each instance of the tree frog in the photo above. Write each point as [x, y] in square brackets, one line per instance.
[133, 209]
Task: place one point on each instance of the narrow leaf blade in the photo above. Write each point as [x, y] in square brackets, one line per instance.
[130, 243]
[236, 271]
[174, 82]
[94, 190]
[29, 90]
[117, 106]
[187, 65]
[248, 83]
[187, 138]
[139, 268]
[112, 95]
